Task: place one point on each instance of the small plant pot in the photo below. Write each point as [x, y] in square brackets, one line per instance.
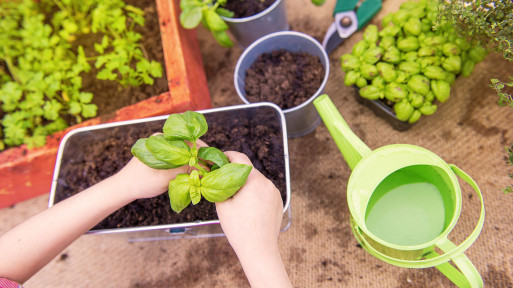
[88, 155]
[301, 119]
[248, 29]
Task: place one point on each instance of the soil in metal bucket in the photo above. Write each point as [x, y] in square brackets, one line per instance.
[93, 156]
[409, 209]
[246, 8]
[284, 78]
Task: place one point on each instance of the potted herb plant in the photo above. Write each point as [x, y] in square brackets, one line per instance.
[246, 20]
[26, 172]
[289, 69]
[91, 154]
[405, 70]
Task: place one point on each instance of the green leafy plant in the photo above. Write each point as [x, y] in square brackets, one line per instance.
[41, 80]
[408, 65]
[215, 178]
[485, 22]
[208, 13]
[120, 56]
[41, 74]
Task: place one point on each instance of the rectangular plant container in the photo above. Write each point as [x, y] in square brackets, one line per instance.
[240, 128]
[26, 173]
[380, 109]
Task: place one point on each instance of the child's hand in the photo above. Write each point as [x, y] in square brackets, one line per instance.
[251, 221]
[253, 216]
[146, 182]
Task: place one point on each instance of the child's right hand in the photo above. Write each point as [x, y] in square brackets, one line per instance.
[252, 217]
[251, 220]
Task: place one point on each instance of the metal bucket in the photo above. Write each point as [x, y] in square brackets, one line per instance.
[198, 229]
[248, 29]
[303, 118]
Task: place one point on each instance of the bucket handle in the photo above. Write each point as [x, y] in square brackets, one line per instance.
[470, 276]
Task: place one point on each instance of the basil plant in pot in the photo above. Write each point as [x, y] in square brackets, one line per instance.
[246, 20]
[88, 155]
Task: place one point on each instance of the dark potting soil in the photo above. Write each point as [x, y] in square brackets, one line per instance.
[90, 157]
[246, 8]
[110, 95]
[284, 78]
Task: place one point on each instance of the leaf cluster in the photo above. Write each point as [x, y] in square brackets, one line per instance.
[208, 13]
[215, 178]
[408, 65]
[41, 80]
[40, 73]
[487, 23]
[119, 56]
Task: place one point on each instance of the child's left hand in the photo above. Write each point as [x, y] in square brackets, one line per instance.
[145, 182]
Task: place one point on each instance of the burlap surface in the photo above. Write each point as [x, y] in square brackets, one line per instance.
[470, 130]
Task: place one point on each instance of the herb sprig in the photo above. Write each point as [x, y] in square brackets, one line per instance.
[215, 178]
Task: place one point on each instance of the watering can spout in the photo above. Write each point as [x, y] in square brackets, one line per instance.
[353, 149]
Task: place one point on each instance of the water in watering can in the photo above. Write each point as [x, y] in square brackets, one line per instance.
[407, 208]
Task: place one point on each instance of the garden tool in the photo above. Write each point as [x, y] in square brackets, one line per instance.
[404, 201]
[350, 16]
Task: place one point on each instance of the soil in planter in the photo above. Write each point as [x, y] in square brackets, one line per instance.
[91, 157]
[284, 78]
[110, 96]
[246, 8]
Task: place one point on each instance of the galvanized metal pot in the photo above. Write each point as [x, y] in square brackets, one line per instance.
[248, 29]
[93, 135]
[303, 118]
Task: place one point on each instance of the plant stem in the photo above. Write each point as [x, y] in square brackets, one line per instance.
[12, 69]
[144, 52]
[61, 6]
[201, 169]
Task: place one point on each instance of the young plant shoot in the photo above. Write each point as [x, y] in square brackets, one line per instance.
[215, 178]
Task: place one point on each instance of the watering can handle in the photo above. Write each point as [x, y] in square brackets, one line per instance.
[471, 277]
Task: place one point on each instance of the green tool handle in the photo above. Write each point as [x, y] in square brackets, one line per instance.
[470, 276]
[364, 13]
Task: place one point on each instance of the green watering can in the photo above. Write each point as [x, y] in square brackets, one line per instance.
[404, 201]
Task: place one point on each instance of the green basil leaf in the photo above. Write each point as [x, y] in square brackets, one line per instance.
[189, 4]
[179, 192]
[225, 13]
[195, 194]
[187, 126]
[222, 38]
[223, 183]
[214, 21]
[142, 153]
[190, 18]
[215, 155]
[172, 152]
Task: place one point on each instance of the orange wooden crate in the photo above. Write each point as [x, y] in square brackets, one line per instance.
[26, 173]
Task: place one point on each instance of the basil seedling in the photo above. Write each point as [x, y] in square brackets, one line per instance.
[216, 182]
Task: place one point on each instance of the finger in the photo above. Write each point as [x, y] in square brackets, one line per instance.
[200, 143]
[237, 157]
